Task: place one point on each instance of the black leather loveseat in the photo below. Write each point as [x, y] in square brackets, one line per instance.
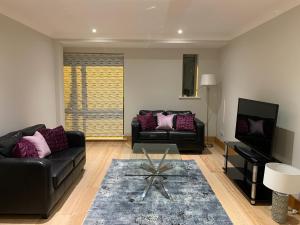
[185, 140]
[34, 186]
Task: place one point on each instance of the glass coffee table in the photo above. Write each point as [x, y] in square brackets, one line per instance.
[156, 162]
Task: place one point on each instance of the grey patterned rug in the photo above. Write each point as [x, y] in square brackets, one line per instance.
[118, 200]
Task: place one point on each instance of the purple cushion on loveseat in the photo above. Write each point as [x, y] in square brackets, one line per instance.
[55, 138]
[147, 121]
[24, 149]
[185, 122]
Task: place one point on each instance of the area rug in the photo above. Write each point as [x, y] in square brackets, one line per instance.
[118, 200]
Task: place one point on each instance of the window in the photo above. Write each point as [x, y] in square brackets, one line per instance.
[93, 94]
[190, 76]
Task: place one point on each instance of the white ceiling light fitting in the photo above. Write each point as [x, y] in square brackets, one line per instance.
[151, 7]
[94, 30]
[179, 31]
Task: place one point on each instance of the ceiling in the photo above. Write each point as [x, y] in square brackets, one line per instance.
[144, 23]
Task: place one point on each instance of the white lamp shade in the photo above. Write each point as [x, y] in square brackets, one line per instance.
[282, 178]
[208, 80]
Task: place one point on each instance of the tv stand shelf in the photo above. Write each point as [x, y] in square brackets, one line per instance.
[246, 169]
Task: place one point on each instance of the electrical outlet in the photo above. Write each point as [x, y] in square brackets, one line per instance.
[221, 133]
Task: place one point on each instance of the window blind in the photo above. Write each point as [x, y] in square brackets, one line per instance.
[93, 93]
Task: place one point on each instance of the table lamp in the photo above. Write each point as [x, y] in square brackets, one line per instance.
[283, 179]
[207, 80]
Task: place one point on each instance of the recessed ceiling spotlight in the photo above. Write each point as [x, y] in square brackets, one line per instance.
[179, 31]
[151, 7]
[94, 30]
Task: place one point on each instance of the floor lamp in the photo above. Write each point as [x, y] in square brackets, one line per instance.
[208, 80]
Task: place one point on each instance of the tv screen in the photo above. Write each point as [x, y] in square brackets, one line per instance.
[255, 125]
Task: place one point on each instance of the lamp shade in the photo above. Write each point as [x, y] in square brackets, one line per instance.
[282, 178]
[208, 80]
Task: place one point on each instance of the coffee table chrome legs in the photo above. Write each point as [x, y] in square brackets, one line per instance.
[148, 187]
[156, 173]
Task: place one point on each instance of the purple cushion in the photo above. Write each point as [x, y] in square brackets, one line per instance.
[56, 138]
[147, 121]
[164, 122]
[185, 122]
[24, 149]
[39, 143]
[256, 127]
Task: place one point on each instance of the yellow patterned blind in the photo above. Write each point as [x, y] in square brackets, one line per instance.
[93, 92]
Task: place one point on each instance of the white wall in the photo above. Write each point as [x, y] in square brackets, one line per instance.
[27, 77]
[153, 80]
[264, 64]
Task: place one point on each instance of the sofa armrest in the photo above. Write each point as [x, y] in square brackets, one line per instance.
[200, 129]
[135, 122]
[135, 129]
[23, 181]
[76, 138]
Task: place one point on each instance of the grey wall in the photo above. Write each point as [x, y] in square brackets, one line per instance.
[263, 64]
[27, 77]
[153, 80]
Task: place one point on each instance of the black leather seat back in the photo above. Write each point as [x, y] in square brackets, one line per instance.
[29, 131]
[178, 112]
[154, 112]
[8, 141]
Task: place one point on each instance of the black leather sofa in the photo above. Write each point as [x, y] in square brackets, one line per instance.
[185, 140]
[34, 186]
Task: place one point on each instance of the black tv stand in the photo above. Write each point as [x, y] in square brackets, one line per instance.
[249, 153]
[245, 168]
[246, 151]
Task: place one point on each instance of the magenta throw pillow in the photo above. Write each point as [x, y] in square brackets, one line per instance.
[56, 138]
[39, 143]
[185, 122]
[164, 122]
[24, 149]
[147, 121]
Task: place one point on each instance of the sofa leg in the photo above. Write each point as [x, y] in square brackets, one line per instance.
[45, 216]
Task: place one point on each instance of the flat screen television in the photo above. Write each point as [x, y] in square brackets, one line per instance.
[255, 125]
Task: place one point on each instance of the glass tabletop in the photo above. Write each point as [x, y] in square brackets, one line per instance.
[152, 159]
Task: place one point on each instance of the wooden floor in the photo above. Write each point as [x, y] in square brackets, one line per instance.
[73, 208]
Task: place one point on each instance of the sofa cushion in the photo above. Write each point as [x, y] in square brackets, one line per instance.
[164, 122]
[60, 169]
[182, 135]
[8, 142]
[185, 122]
[24, 149]
[147, 121]
[39, 143]
[169, 112]
[29, 131]
[154, 135]
[76, 154]
[56, 138]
